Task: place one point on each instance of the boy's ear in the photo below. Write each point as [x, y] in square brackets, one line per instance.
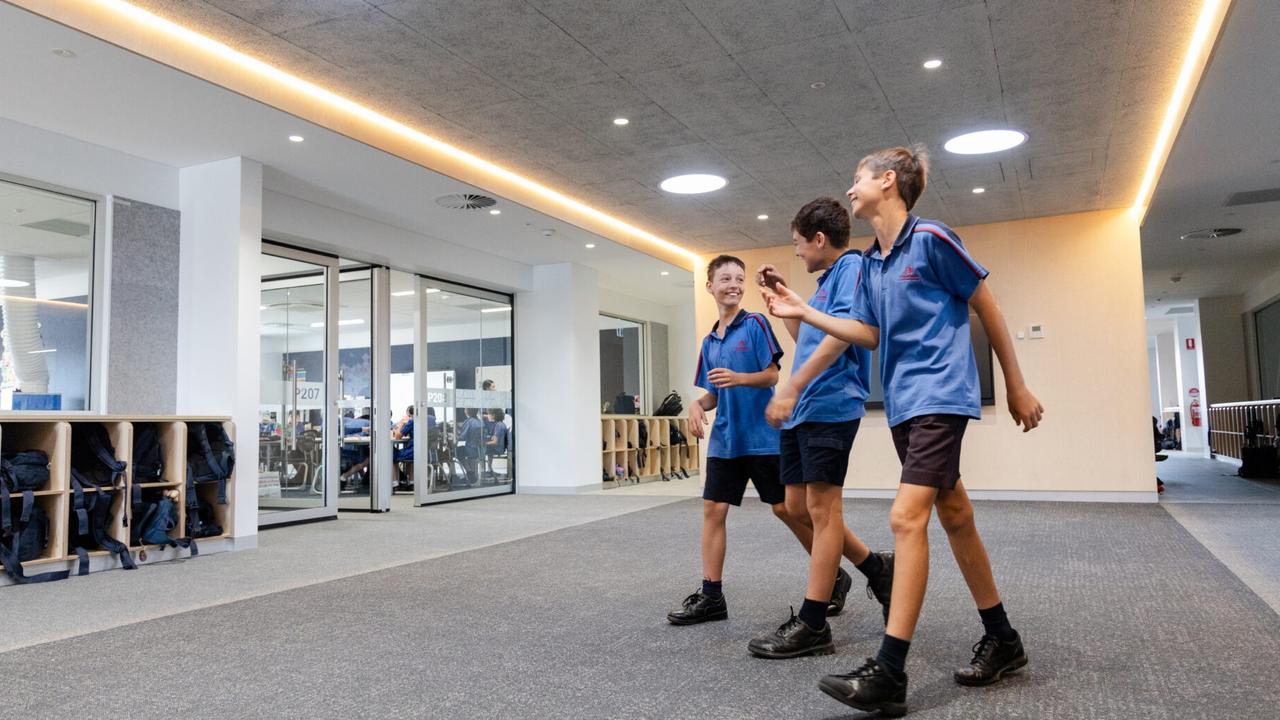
[889, 177]
[820, 239]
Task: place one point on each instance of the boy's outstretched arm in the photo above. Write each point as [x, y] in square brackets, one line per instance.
[785, 303]
[1023, 405]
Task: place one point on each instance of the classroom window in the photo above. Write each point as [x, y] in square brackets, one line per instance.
[622, 373]
[46, 290]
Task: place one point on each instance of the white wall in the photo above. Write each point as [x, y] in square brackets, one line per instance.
[1191, 377]
[219, 295]
[56, 159]
[557, 411]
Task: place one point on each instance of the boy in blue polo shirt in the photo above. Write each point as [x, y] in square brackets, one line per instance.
[918, 285]
[738, 367]
[819, 409]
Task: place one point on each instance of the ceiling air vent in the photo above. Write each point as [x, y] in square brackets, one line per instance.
[1211, 233]
[1253, 197]
[1180, 310]
[61, 226]
[465, 201]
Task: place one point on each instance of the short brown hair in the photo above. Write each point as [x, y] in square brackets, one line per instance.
[723, 260]
[909, 165]
[824, 215]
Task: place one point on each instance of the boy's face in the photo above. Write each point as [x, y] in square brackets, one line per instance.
[727, 284]
[810, 251]
[867, 191]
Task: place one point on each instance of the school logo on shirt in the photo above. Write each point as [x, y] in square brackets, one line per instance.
[742, 346]
[820, 296]
[909, 274]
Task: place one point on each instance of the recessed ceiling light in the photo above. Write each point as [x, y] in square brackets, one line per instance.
[262, 307]
[664, 273]
[296, 138]
[403, 293]
[496, 309]
[985, 141]
[431, 290]
[932, 64]
[979, 190]
[817, 85]
[692, 184]
[63, 53]
[495, 212]
[621, 121]
[38, 352]
[5, 282]
[590, 246]
[762, 216]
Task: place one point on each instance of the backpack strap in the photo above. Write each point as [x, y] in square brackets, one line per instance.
[92, 517]
[222, 471]
[13, 568]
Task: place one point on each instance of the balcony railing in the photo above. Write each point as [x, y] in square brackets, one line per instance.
[1232, 425]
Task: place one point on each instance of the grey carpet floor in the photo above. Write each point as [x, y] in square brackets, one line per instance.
[1124, 615]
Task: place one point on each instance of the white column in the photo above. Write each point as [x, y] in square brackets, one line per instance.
[218, 297]
[1191, 384]
[557, 403]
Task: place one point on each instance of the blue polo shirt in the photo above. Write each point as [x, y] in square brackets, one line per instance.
[748, 346]
[919, 298]
[838, 394]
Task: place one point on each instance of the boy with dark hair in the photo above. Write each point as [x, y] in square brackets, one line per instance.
[918, 285]
[738, 367]
[819, 409]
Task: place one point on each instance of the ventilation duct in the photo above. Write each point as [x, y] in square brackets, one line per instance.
[21, 326]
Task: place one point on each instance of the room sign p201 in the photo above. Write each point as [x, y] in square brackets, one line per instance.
[1191, 343]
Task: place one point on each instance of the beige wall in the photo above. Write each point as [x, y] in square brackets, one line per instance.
[1081, 276]
[1226, 373]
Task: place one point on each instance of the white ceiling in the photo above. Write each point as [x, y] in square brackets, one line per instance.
[116, 99]
[1230, 142]
[725, 86]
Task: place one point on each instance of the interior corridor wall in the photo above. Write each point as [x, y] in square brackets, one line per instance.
[1226, 366]
[1080, 276]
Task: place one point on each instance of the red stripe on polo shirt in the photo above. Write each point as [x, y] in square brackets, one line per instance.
[952, 244]
[768, 336]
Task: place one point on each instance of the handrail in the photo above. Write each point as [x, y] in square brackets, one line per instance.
[1232, 426]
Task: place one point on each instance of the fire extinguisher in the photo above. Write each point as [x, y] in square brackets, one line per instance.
[1195, 412]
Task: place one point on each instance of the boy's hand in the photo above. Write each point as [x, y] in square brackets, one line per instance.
[768, 276]
[784, 303]
[781, 406]
[724, 378]
[697, 420]
[1025, 408]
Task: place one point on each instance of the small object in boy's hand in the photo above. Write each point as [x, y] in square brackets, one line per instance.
[768, 277]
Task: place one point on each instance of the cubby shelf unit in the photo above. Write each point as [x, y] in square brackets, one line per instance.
[659, 459]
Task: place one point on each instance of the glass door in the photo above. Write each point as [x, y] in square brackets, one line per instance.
[465, 394]
[297, 408]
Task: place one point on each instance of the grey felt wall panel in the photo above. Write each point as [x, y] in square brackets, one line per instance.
[142, 372]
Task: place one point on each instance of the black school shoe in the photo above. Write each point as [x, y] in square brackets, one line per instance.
[872, 687]
[992, 660]
[880, 587]
[793, 639]
[839, 592]
[699, 608]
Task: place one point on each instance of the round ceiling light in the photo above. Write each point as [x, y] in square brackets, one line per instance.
[590, 246]
[495, 212]
[985, 141]
[692, 184]
[664, 273]
[295, 138]
[63, 53]
[7, 283]
[932, 64]
[621, 121]
[979, 190]
[762, 216]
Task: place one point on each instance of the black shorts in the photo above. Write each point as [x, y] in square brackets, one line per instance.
[817, 452]
[727, 479]
[929, 448]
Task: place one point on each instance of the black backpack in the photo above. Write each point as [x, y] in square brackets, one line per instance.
[154, 520]
[671, 405]
[91, 515]
[644, 443]
[148, 460]
[211, 457]
[24, 541]
[677, 437]
[202, 516]
[23, 472]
